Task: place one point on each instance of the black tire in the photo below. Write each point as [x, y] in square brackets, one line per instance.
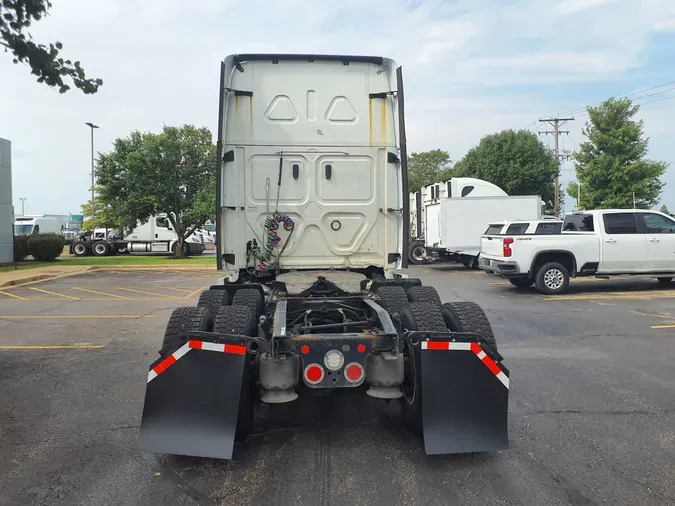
[426, 294]
[416, 316]
[422, 316]
[521, 282]
[239, 320]
[468, 317]
[417, 252]
[393, 298]
[235, 319]
[252, 298]
[552, 278]
[101, 248]
[213, 299]
[665, 280]
[79, 249]
[184, 319]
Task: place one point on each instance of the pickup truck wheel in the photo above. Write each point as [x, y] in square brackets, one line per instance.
[521, 282]
[664, 281]
[552, 278]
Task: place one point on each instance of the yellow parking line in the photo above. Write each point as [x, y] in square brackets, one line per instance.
[193, 293]
[53, 347]
[663, 326]
[54, 293]
[12, 295]
[102, 293]
[178, 289]
[50, 317]
[148, 293]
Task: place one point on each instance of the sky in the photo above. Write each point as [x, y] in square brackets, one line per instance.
[470, 69]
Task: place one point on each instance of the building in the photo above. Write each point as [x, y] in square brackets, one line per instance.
[6, 207]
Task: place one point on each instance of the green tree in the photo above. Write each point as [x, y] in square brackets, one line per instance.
[105, 216]
[16, 17]
[664, 210]
[172, 172]
[517, 162]
[611, 164]
[428, 167]
[572, 190]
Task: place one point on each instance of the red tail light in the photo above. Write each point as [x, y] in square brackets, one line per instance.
[507, 252]
[354, 372]
[314, 374]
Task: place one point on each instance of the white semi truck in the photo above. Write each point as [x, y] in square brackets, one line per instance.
[448, 218]
[312, 220]
[154, 236]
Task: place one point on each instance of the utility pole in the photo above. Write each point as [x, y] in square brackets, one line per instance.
[93, 179]
[556, 123]
[23, 201]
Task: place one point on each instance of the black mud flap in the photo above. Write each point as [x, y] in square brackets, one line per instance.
[192, 401]
[465, 398]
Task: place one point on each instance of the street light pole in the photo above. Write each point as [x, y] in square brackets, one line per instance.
[93, 180]
[23, 200]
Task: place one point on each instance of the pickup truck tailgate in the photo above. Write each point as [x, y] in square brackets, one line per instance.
[492, 246]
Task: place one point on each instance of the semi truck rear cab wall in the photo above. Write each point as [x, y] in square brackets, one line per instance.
[316, 140]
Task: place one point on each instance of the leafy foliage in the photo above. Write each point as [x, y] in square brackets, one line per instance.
[21, 247]
[664, 210]
[517, 162]
[16, 17]
[428, 167]
[611, 165]
[172, 172]
[104, 215]
[46, 247]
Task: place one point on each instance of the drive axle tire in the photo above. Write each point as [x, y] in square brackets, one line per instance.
[552, 278]
[101, 248]
[416, 316]
[184, 319]
[213, 299]
[252, 298]
[393, 298]
[468, 317]
[425, 294]
[422, 316]
[239, 320]
[521, 282]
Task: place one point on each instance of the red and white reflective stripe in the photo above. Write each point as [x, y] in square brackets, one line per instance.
[476, 349]
[233, 349]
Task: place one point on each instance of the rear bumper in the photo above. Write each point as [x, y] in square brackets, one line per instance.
[500, 268]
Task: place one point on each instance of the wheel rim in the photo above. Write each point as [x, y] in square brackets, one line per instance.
[419, 253]
[99, 248]
[79, 249]
[554, 279]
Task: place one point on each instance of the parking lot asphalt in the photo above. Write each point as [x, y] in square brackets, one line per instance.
[592, 405]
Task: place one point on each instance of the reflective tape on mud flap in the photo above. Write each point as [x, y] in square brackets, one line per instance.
[473, 347]
[233, 349]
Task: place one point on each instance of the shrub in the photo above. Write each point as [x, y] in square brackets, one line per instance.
[46, 247]
[21, 247]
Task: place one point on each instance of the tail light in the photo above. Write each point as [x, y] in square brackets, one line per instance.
[314, 374]
[507, 251]
[354, 372]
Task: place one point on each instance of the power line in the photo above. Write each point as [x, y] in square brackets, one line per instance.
[556, 123]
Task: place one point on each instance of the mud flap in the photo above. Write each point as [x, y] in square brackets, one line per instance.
[464, 399]
[192, 401]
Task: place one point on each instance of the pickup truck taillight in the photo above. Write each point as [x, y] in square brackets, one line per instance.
[507, 251]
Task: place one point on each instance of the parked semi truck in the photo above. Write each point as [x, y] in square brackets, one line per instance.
[313, 218]
[450, 217]
[154, 236]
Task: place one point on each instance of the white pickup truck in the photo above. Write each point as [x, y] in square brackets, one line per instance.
[603, 243]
